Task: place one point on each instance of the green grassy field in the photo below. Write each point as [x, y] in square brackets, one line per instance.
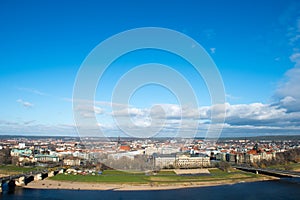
[116, 172]
[11, 169]
[112, 176]
[166, 172]
[290, 166]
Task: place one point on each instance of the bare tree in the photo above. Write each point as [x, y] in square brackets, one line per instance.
[5, 157]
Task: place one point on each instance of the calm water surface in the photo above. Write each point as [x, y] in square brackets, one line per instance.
[256, 190]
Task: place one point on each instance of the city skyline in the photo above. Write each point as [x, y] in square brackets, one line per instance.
[254, 45]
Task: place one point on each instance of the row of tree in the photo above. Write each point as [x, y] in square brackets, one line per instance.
[139, 163]
[282, 158]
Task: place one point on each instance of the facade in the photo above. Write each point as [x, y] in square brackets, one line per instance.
[72, 161]
[26, 158]
[189, 161]
[22, 145]
[261, 156]
[161, 150]
[130, 155]
[183, 161]
[18, 152]
[81, 155]
[221, 156]
[46, 158]
[165, 161]
[249, 157]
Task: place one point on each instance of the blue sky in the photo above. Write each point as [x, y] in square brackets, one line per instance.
[255, 45]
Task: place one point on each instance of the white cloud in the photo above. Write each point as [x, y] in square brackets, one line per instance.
[241, 119]
[29, 122]
[87, 111]
[94, 102]
[289, 88]
[33, 127]
[293, 40]
[287, 100]
[32, 90]
[26, 104]
[98, 110]
[169, 111]
[130, 112]
[294, 33]
[295, 57]
[231, 97]
[212, 50]
[238, 117]
[287, 92]
[277, 59]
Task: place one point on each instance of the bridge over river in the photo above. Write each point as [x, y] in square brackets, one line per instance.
[10, 182]
[270, 172]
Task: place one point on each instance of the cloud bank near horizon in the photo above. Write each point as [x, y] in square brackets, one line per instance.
[241, 120]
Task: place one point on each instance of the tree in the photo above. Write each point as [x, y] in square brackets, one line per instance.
[5, 157]
[224, 166]
[288, 167]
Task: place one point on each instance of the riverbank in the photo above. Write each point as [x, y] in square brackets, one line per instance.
[72, 185]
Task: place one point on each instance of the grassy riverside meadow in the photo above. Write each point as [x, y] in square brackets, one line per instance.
[113, 176]
[11, 169]
[289, 166]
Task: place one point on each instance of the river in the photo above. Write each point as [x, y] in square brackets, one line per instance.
[275, 189]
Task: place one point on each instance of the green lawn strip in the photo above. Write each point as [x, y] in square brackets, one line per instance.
[16, 169]
[116, 172]
[101, 178]
[165, 172]
[121, 177]
[294, 166]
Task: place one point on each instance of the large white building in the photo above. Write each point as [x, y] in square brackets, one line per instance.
[183, 161]
[130, 155]
[161, 150]
[190, 161]
[46, 158]
[72, 161]
[165, 161]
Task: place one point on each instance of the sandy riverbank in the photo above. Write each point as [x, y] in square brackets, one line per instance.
[51, 184]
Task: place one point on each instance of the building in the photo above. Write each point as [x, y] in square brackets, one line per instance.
[46, 158]
[165, 161]
[26, 159]
[251, 156]
[221, 156]
[81, 155]
[182, 161]
[22, 145]
[18, 152]
[124, 148]
[192, 161]
[130, 155]
[161, 150]
[72, 161]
